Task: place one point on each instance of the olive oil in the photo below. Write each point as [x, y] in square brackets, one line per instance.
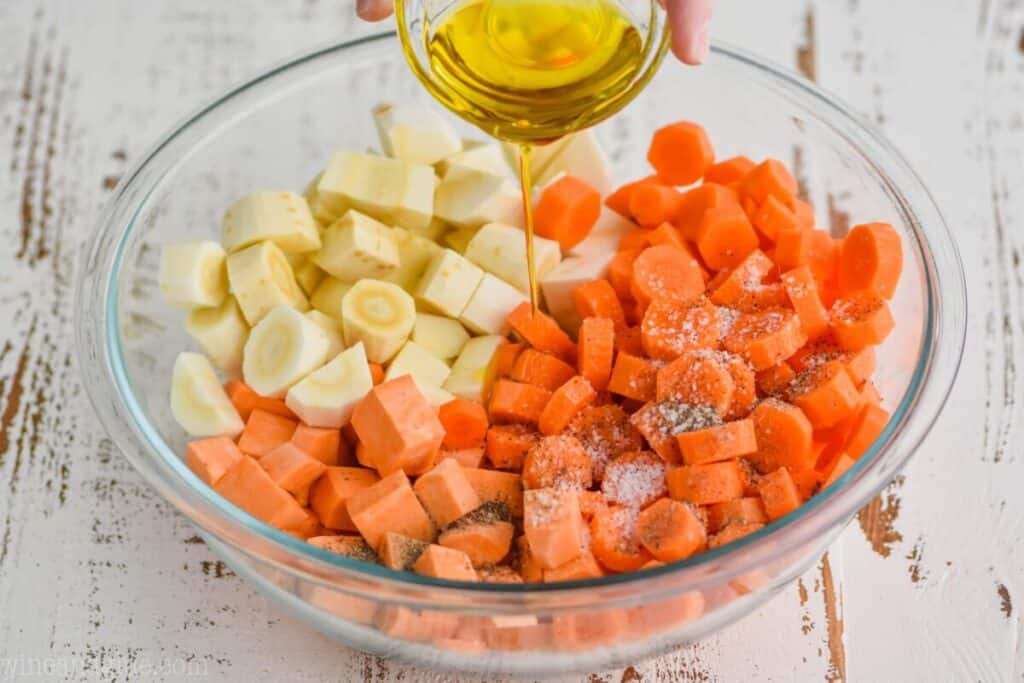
[533, 71]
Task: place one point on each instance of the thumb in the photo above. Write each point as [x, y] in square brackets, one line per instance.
[690, 21]
[374, 10]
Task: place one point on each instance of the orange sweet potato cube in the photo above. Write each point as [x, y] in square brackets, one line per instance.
[553, 526]
[529, 568]
[210, 459]
[400, 552]
[445, 493]
[403, 623]
[309, 527]
[390, 505]
[321, 443]
[467, 457]
[265, 431]
[445, 563]
[293, 470]
[329, 495]
[501, 487]
[583, 567]
[398, 427]
[349, 546]
[485, 534]
[248, 486]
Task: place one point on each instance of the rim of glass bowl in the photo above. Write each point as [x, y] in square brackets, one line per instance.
[108, 387]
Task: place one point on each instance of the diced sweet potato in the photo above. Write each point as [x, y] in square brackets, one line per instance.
[330, 494]
[390, 505]
[446, 493]
[398, 427]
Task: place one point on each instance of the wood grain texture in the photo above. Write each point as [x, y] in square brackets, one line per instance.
[101, 578]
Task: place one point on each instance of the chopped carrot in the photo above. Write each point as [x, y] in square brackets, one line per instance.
[726, 237]
[634, 479]
[541, 370]
[770, 178]
[666, 233]
[731, 533]
[376, 373]
[748, 510]
[860, 364]
[583, 567]
[620, 272]
[680, 153]
[826, 394]
[590, 503]
[638, 239]
[871, 259]
[597, 299]
[793, 248]
[465, 424]
[783, 435]
[802, 290]
[541, 332]
[629, 340]
[264, 432]
[567, 210]
[210, 459]
[861, 320]
[715, 482]
[557, 462]
[671, 327]
[840, 466]
[731, 287]
[596, 348]
[774, 380]
[804, 214]
[670, 531]
[322, 443]
[651, 205]
[697, 378]
[772, 216]
[517, 402]
[868, 426]
[668, 272]
[505, 358]
[604, 431]
[633, 377]
[765, 338]
[246, 400]
[778, 493]
[564, 404]
[614, 539]
[729, 170]
[744, 383]
[618, 201]
[507, 445]
[806, 481]
[721, 442]
[699, 200]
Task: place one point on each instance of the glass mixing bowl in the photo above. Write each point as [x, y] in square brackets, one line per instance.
[278, 130]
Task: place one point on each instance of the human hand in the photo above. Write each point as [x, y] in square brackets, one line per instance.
[688, 19]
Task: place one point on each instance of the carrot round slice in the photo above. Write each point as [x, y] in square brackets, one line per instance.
[770, 178]
[618, 201]
[564, 404]
[651, 205]
[802, 290]
[681, 153]
[597, 299]
[670, 327]
[665, 271]
[744, 393]
[726, 237]
[772, 216]
[784, 436]
[614, 539]
[567, 210]
[596, 348]
[697, 201]
[721, 442]
[871, 259]
[557, 462]
[765, 338]
[861, 320]
[465, 424]
[697, 378]
[620, 272]
[729, 170]
[826, 394]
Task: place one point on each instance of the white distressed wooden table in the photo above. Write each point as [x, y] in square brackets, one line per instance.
[100, 579]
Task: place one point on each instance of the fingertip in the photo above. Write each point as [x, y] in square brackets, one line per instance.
[374, 10]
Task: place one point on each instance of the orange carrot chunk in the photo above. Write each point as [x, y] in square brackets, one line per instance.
[706, 484]
[597, 299]
[770, 178]
[517, 402]
[246, 400]
[633, 377]
[541, 370]
[505, 358]
[651, 205]
[596, 351]
[773, 381]
[680, 153]
[564, 404]
[861, 320]
[733, 286]
[772, 216]
[748, 510]
[507, 445]
[668, 272]
[765, 338]
[557, 462]
[783, 436]
[567, 210]
[729, 171]
[618, 201]
[826, 394]
[804, 214]
[620, 272]
[697, 378]
[670, 531]
[541, 332]
[604, 432]
[744, 393]
[671, 327]
[839, 467]
[871, 259]
[614, 539]
[792, 248]
[802, 290]
[465, 424]
[778, 493]
[725, 237]
[721, 442]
